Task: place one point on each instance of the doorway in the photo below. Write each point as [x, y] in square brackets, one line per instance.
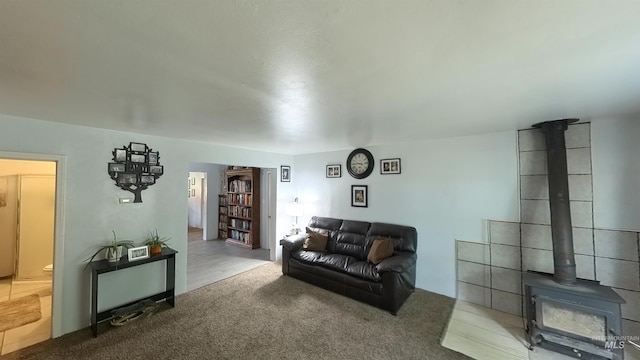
[197, 205]
[27, 237]
[215, 259]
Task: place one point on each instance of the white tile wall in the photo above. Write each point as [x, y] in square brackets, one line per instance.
[621, 245]
[505, 256]
[506, 280]
[583, 241]
[537, 260]
[533, 163]
[535, 187]
[502, 232]
[578, 135]
[536, 236]
[535, 212]
[474, 273]
[531, 139]
[582, 214]
[506, 302]
[585, 267]
[474, 294]
[475, 252]
[580, 187]
[618, 273]
[579, 161]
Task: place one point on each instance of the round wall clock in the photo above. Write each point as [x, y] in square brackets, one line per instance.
[360, 163]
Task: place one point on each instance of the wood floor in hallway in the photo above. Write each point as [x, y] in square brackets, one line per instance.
[214, 260]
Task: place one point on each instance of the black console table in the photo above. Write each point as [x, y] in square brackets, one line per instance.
[103, 266]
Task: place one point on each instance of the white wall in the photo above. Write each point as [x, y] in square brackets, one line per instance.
[616, 174]
[92, 210]
[447, 189]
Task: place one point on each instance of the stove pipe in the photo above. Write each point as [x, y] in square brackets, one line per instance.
[564, 262]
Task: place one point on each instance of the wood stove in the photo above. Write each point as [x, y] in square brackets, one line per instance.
[572, 316]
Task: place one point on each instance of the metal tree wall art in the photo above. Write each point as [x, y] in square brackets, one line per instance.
[135, 168]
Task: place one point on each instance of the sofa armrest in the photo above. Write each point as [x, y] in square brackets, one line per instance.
[293, 242]
[398, 263]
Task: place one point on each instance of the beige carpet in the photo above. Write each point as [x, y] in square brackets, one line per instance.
[21, 311]
[261, 314]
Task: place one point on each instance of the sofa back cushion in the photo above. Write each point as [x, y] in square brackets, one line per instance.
[405, 238]
[351, 239]
[354, 238]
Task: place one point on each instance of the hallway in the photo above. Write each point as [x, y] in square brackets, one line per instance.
[214, 260]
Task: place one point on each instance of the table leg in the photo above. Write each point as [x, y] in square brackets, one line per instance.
[94, 303]
[171, 279]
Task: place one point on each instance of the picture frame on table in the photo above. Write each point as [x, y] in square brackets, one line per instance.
[390, 166]
[138, 253]
[334, 171]
[285, 173]
[359, 195]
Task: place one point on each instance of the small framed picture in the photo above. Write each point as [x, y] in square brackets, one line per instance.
[153, 158]
[285, 173]
[138, 253]
[390, 166]
[156, 169]
[147, 179]
[138, 147]
[334, 171]
[120, 155]
[359, 195]
[115, 167]
[127, 179]
[137, 158]
[193, 192]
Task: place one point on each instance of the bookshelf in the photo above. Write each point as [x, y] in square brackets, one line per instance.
[223, 220]
[243, 207]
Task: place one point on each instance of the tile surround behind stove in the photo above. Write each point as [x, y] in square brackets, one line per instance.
[489, 274]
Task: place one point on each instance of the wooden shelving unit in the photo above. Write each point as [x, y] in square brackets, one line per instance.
[223, 219]
[243, 207]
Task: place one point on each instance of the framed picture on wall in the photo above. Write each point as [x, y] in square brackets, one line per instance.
[334, 171]
[359, 195]
[285, 173]
[390, 166]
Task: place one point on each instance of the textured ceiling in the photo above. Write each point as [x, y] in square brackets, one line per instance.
[309, 76]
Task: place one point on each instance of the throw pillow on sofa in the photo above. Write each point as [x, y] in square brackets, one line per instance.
[316, 241]
[381, 249]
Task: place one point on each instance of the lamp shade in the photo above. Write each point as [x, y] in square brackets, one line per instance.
[294, 209]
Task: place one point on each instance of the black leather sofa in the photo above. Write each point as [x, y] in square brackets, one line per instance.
[344, 268]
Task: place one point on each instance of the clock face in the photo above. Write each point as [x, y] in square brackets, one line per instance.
[360, 163]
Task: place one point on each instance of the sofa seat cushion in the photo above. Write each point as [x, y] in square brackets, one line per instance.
[341, 263]
[365, 270]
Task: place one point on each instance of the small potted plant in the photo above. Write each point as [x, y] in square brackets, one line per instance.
[156, 242]
[113, 251]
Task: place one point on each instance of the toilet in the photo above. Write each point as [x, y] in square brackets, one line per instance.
[48, 268]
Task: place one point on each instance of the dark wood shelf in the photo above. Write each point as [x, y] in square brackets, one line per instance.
[240, 179]
[104, 266]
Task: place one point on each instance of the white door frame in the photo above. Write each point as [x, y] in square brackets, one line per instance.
[58, 240]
